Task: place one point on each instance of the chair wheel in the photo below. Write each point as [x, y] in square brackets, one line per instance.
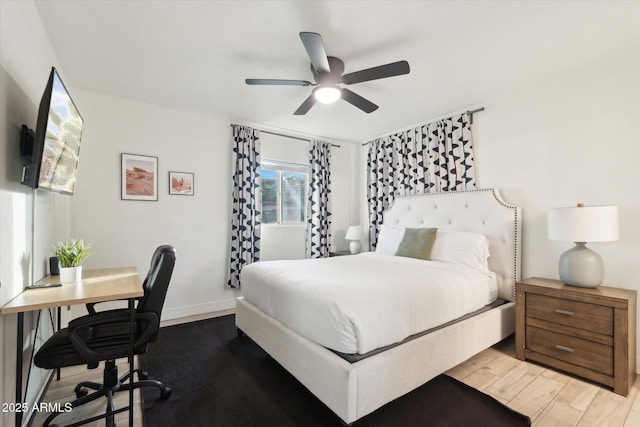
[143, 375]
[81, 392]
[165, 393]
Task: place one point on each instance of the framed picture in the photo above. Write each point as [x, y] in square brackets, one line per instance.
[181, 183]
[139, 177]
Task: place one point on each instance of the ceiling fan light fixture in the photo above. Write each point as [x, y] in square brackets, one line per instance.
[327, 94]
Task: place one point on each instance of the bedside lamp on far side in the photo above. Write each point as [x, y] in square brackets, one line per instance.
[354, 233]
[580, 266]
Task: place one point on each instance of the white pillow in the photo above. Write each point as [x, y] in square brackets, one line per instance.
[389, 239]
[462, 247]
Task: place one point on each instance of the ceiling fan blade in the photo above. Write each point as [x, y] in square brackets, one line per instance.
[306, 106]
[358, 101]
[315, 49]
[380, 72]
[277, 82]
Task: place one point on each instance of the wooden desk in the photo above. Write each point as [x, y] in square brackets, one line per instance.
[98, 285]
[105, 284]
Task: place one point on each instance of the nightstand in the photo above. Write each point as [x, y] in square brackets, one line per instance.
[588, 332]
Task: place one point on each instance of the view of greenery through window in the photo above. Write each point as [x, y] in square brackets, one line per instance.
[283, 193]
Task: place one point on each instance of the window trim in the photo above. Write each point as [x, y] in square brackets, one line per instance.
[281, 167]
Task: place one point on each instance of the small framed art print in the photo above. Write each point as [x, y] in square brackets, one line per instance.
[181, 183]
[139, 177]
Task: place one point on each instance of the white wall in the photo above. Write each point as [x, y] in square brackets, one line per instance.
[572, 139]
[345, 200]
[126, 232]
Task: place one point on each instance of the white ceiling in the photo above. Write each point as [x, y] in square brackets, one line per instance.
[195, 55]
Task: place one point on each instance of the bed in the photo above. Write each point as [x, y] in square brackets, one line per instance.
[355, 387]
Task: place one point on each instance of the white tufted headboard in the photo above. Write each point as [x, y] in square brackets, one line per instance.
[482, 211]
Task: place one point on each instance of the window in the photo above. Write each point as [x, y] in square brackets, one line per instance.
[284, 192]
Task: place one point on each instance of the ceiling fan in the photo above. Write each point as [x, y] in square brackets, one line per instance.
[327, 73]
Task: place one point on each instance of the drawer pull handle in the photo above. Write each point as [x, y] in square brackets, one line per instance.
[565, 312]
[563, 348]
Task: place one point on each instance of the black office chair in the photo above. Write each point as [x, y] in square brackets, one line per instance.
[104, 336]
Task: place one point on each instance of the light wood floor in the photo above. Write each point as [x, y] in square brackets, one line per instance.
[548, 397]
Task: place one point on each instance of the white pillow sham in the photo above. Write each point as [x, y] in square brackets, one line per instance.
[462, 247]
[389, 239]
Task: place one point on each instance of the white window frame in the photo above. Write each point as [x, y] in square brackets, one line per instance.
[279, 167]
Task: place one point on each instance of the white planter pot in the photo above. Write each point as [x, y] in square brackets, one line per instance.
[70, 274]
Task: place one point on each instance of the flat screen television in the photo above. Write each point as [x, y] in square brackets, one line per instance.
[51, 153]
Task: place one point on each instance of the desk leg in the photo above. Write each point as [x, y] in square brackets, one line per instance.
[59, 327]
[19, 339]
[131, 338]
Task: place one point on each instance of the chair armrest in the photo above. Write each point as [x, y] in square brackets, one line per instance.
[91, 305]
[150, 322]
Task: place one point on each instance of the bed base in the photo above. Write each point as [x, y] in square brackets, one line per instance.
[353, 390]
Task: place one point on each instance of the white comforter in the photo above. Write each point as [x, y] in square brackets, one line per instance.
[355, 304]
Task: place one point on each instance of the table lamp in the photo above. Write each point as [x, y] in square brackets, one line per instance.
[580, 266]
[354, 233]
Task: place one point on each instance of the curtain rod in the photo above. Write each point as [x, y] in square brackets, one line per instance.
[291, 136]
[472, 112]
[469, 112]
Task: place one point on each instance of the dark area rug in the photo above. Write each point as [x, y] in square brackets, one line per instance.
[221, 379]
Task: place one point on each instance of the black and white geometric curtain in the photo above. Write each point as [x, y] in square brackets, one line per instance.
[319, 201]
[432, 158]
[246, 202]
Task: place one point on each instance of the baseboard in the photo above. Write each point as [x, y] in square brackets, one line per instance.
[197, 309]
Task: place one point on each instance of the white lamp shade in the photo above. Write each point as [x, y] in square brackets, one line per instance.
[354, 233]
[583, 224]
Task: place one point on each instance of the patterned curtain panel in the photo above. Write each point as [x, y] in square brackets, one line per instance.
[245, 216]
[434, 157]
[319, 201]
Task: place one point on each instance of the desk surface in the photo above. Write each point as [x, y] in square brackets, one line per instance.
[98, 285]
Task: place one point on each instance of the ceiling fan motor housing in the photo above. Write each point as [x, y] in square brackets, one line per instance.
[336, 67]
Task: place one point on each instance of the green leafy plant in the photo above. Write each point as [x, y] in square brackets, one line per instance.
[71, 253]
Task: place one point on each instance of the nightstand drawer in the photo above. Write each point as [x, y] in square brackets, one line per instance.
[576, 351]
[595, 318]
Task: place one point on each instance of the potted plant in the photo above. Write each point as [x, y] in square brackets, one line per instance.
[71, 254]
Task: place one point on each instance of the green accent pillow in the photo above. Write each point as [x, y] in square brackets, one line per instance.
[417, 243]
